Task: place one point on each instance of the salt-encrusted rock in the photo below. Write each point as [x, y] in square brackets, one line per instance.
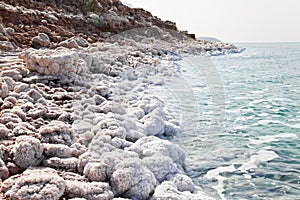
[4, 89]
[27, 151]
[86, 158]
[132, 179]
[35, 183]
[148, 146]
[110, 106]
[12, 73]
[81, 126]
[101, 145]
[21, 87]
[42, 40]
[148, 104]
[70, 43]
[57, 150]
[81, 41]
[9, 31]
[10, 82]
[96, 171]
[160, 165]
[33, 93]
[154, 125]
[134, 135]
[4, 131]
[99, 99]
[102, 168]
[62, 62]
[168, 190]
[139, 113]
[61, 163]
[120, 143]
[89, 191]
[171, 129]
[78, 149]
[119, 132]
[182, 182]
[4, 173]
[10, 118]
[57, 132]
[19, 112]
[71, 176]
[39, 111]
[2, 150]
[6, 46]
[102, 90]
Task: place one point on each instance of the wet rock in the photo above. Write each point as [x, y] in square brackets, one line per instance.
[42, 40]
[27, 151]
[34, 183]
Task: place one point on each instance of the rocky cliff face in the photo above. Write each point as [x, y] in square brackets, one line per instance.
[94, 20]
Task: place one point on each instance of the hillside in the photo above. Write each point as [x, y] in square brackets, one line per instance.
[62, 19]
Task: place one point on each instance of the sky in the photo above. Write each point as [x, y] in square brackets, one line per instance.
[231, 20]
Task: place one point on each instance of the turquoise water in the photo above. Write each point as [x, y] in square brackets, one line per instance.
[241, 122]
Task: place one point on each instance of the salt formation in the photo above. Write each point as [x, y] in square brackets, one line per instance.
[78, 122]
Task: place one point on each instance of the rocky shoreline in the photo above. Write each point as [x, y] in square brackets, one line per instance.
[76, 119]
[78, 123]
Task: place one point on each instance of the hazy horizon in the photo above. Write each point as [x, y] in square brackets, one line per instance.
[231, 20]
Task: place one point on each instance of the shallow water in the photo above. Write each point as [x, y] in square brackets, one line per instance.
[241, 121]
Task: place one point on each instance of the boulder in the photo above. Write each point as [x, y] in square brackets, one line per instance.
[42, 40]
[88, 190]
[57, 132]
[133, 180]
[34, 183]
[148, 146]
[27, 151]
[6, 46]
[70, 43]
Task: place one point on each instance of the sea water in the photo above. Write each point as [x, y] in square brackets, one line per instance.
[240, 121]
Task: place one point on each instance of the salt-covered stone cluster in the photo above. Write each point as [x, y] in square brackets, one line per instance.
[78, 123]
